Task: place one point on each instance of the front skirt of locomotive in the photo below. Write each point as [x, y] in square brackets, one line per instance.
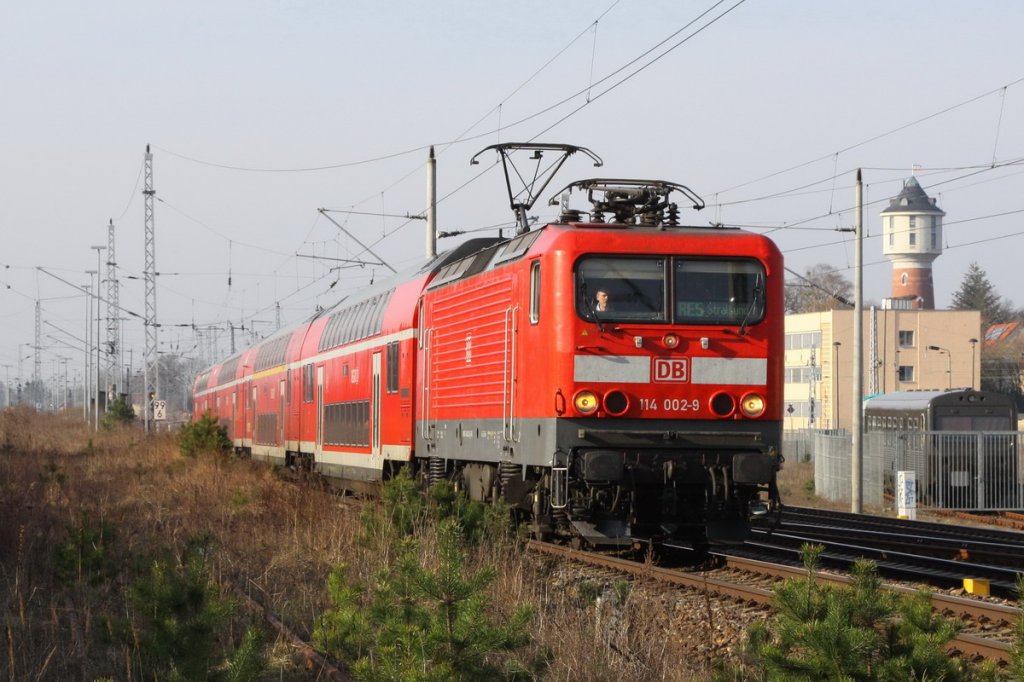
[616, 485]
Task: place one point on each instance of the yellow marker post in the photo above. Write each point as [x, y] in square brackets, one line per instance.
[977, 586]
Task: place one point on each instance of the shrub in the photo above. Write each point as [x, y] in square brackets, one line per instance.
[119, 412]
[861, 632]
[1017, 653]
[85, 557]
[423, 624]
[179, 617]
[205, 436]
[405, 509]
[424, 615]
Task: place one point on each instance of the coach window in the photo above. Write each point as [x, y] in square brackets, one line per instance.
[307, 383]
[392, 367]
[535, 292]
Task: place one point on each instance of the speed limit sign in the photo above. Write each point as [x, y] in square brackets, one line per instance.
[159, 410]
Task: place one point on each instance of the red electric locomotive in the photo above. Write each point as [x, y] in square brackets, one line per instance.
[613, 379]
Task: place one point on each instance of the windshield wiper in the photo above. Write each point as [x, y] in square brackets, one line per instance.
[758, 298]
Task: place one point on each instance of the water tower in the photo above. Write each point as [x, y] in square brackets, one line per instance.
[912, 239]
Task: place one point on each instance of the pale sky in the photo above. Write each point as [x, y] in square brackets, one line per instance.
[766, 113]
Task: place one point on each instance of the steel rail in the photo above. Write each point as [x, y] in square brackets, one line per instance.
[992, 553]
[976, 533]
[890, 561]
[697, 581]
[967, 645]
[942, 603]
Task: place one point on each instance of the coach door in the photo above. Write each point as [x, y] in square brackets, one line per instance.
[375, 408]
[234, 417]
[319, 409]
[283, 385]
[425, 371]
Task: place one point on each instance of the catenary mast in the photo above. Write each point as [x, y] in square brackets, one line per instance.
[151, 361]
[113, 348]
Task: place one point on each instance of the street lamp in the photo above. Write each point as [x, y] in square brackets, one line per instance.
[974, 343]
[949, 365]
[835, 384]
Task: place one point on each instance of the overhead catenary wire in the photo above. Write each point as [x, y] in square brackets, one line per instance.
[795, 227]
[421, 148]
[803, 221]
[875, 138]
[385, 232]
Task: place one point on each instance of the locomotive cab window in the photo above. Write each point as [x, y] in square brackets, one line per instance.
[679, 290]
[621, 289]
[718, 292]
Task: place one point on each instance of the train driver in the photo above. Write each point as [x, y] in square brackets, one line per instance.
[601, 300]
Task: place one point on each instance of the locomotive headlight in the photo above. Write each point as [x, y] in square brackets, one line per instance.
[616, 403]
[670, 341]
[585, 402]
[723, 404]
[752, 405]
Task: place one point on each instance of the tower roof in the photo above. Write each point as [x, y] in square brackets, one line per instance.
[912, 200]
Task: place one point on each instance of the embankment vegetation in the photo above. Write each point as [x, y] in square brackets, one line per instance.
[130, 558]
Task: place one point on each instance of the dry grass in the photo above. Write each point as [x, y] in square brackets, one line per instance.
[796, 484]
[275, 540]
[268, 536]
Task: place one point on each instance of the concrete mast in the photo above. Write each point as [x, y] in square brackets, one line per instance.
[431, 205]
[856, 494]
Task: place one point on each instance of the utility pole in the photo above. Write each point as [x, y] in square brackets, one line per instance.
[87, 376]
[150, 275]
[99, 377]
[7, 385]
[812, 388]
[37, 367]
[856, 493]
[431, 205]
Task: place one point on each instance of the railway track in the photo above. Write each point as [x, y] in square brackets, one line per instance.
[1012, 520]
[988, 626]
[941, 554]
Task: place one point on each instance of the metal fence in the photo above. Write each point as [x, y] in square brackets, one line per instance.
[977, 471]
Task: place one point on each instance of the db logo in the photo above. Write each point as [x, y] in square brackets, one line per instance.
[672, 369]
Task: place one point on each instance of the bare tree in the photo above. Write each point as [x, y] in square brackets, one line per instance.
[821, 287]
